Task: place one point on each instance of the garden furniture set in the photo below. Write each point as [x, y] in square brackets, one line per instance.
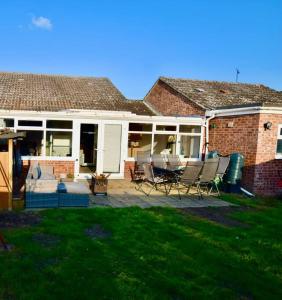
[167, 171]
[44, 190]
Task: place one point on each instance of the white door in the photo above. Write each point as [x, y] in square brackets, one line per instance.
[112, 148]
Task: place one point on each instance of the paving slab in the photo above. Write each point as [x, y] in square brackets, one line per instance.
[123, 193]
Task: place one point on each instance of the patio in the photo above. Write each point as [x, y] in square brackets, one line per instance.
[123, 193]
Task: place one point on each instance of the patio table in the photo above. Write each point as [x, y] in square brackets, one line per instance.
[171, 174]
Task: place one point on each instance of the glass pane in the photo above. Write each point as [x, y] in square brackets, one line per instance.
[165, 128]
[139, 143]
[140, 127]
[88, 148]
[281, 131]
[6, 123]
[190, 146]
[164, 143]
[190, 129]
[30, 123]
[58, 143]
[279, 147]
[112, 148]
[32, 144]
[58, 124]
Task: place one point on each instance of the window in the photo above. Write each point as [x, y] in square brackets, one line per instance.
[165, 138]
[32, 144]
[189, 129]
[140, 127]
[139, 138]
[165, 128]
[58, 143]
[30, 123]
[58, 124]
[190, 146]
[279, 141]
[4, 123]
[164, 143]
[139, 142]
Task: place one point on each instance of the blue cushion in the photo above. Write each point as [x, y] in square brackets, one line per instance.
[35, 173]
[39, 171]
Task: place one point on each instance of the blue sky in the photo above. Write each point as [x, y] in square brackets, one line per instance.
[134, 42]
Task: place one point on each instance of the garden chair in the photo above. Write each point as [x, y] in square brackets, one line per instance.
[174, 162]
[189, 177]
[222, 166]
[221, 170]
[159, 161]
[142, 158]
[138, 171]
[151, 179]
[207, 176]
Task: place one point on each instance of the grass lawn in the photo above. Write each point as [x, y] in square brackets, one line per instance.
[157, 253]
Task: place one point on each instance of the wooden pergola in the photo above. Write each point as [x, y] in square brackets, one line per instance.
[6, 168]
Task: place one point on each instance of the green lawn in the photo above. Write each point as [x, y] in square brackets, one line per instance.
[156, 253]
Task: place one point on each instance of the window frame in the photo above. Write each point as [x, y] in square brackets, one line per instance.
[279, 137]
[177, 133]
[45, 129]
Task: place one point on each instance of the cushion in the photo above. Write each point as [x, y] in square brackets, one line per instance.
[76, 188]
[39, 171]
[47, 176]
[45, 190]
[35, 173]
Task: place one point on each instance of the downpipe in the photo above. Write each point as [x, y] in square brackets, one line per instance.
[207, 124]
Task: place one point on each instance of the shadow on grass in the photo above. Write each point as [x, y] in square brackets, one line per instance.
[156, 253]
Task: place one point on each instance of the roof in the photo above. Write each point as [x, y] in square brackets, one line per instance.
[139, 107]
[38, 92]
[215, 94]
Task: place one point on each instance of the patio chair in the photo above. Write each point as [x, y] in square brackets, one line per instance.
[189, 177]
[207, 176]
[138, 171]
[158, 161]
[174, 162]
[142, 158]
[150, 178]
[222, 166]
[221, 170]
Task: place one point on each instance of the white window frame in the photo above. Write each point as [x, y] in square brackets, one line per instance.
[44, 129]
[177, 133]
[279, 137]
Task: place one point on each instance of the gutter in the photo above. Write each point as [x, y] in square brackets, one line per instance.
[209, 116]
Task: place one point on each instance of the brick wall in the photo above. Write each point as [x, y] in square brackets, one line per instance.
[267, 176]
[168, 102]
[247, 136]
[66, 167]
[237, 134]
[128, 165]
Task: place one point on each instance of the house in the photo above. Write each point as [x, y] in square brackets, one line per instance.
[84, 124]
[245, 118]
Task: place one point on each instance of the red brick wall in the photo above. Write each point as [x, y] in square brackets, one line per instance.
[266, 176]
[168, 102]
[242, 138]
[128, 165]
[66, 167]
[258, 146]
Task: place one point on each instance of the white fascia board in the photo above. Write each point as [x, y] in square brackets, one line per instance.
[99, 115]
[233, 111]
[244, 111]
[167, 120]
[67, 114]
